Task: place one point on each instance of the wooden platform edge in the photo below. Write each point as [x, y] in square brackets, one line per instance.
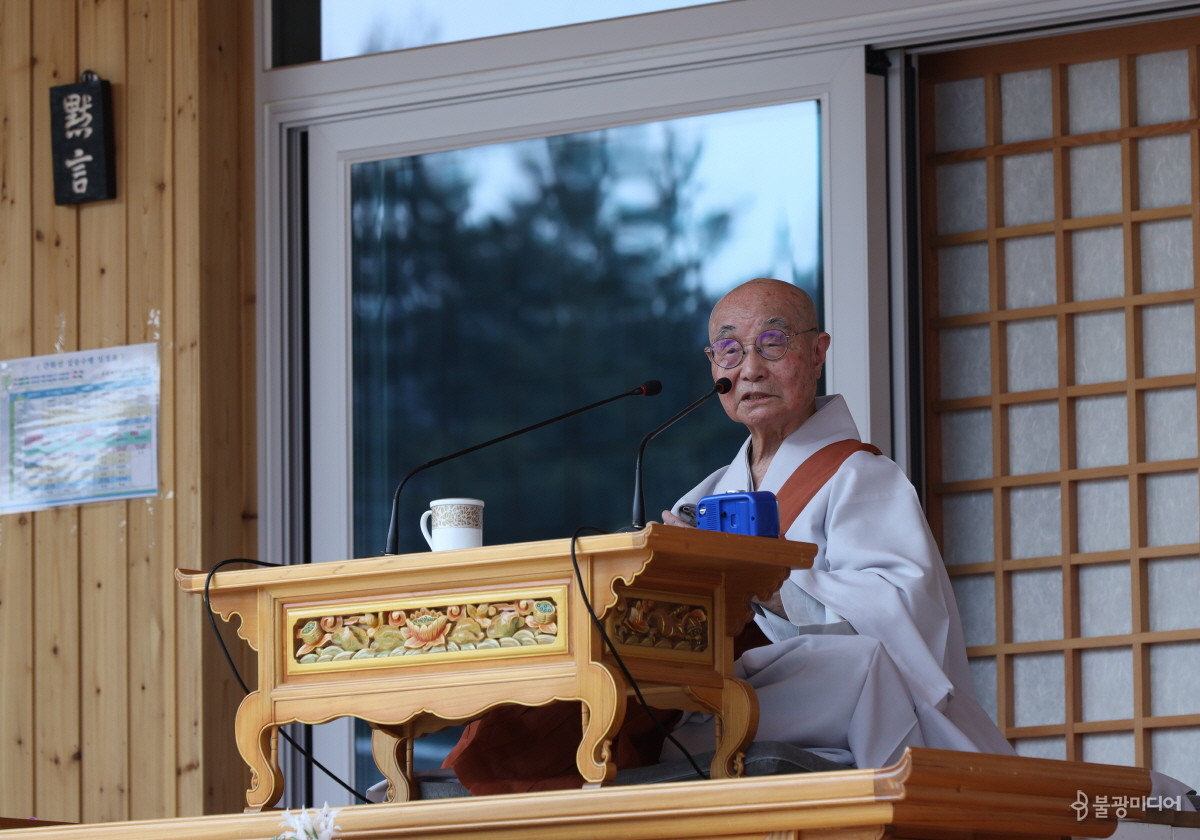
[940, 790]
[927, 794]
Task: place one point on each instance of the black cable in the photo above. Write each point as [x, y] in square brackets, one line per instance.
[637, 691]
[245, 688]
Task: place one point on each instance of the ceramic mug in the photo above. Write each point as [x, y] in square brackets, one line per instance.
[451, 524]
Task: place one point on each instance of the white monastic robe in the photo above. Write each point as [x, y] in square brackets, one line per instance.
[871, 657]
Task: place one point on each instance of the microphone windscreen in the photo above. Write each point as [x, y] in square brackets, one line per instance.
[649, 389]
[722, 385]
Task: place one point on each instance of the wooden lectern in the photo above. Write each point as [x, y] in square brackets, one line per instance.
[413, 643]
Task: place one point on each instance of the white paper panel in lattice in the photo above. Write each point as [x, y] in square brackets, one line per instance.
[1167, 263]
[1036, 605]
[1032, 354]
[1174, 584]
[1101, 431]
[958, 115]
[1035, 521]
[963, 279]
[1033, 438]
[1042, 747]
[1098, 263]
[1162, 87]
[1095, 180]
[983, 680]
[1105, 608]
[962, 197]
[967, 528]
[1107, 679]
[1026, 110]
[1094, 96]
[1028, 188]
[966, 444]
[1038, 689]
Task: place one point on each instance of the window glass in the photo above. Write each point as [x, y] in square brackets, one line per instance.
[496, 286]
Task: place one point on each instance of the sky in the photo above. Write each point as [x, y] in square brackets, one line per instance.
[399, 24]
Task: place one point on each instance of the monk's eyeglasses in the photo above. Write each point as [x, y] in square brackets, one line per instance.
[771, 345]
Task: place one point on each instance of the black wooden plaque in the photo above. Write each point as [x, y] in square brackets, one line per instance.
[82, 141]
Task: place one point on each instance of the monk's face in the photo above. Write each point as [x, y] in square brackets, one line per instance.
[771, 398]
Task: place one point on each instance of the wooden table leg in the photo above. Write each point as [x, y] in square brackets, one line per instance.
[603, 710]
[737, 723]
[257, 739]
[734, 707]
[392, 750]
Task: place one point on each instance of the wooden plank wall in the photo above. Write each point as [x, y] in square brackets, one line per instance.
[114, 705]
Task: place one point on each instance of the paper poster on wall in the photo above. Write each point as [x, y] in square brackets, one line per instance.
[79, 427]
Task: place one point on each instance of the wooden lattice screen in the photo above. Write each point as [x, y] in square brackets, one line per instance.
[1059, 182]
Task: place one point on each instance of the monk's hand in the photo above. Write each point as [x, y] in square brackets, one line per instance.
[774, 604]
[671, 519]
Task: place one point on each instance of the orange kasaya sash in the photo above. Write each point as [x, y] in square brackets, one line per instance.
[808, 478]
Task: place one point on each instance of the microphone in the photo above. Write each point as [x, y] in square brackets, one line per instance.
[646, 389]
[721, 386]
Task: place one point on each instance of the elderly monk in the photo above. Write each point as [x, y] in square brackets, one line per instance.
[865, 653]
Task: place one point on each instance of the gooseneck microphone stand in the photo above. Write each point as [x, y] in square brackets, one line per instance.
[646, 389]
[721, 386]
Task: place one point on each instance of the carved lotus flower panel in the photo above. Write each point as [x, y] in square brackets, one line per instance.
[447, 629]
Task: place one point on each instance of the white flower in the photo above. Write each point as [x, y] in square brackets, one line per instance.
[303, 825]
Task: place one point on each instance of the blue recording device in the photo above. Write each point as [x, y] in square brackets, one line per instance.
[754, 513]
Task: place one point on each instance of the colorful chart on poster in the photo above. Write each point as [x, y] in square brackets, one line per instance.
[79, 427]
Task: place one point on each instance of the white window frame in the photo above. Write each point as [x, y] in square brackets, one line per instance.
[577, 100]
[511, 115]
[854, 199]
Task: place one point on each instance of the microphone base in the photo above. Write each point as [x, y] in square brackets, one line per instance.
[630, 529]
